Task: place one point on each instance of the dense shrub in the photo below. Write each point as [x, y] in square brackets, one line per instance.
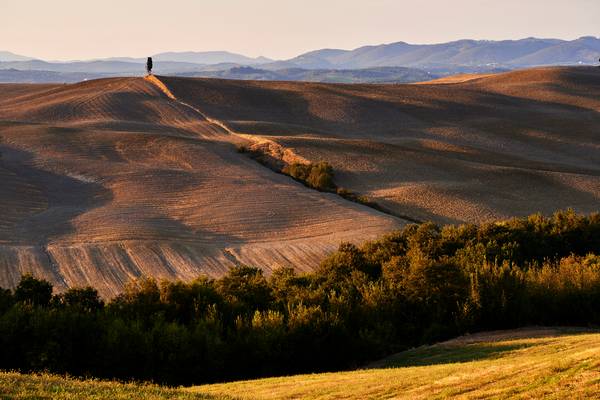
[33, 292]
[316, 175]
[411, 287]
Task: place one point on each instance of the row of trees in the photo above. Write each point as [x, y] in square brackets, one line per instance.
[416, 286]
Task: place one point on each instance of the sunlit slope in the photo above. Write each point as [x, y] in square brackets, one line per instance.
[522, 364]
[14, 385]
[492, 147]
[108, 180]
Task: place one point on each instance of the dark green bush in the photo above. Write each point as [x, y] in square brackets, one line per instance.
[318, 176]
[33, 292]
[84, 299]
[321, 177]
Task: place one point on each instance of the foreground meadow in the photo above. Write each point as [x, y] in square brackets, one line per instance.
[525, 363]
[44, 386]
[515, 364]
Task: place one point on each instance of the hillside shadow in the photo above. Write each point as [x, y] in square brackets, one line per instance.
[584, 81]
[449, 354]
[505, 179]
[406, 107]
[67, 197]
[158, 242]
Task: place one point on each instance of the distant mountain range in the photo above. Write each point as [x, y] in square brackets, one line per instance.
[109, 67]
[366, 75]
[204, 58]
[33, 76]
[507, 53]
[396, 62]
[8, 56]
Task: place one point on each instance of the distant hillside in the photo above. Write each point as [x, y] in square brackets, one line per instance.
[142, 184]
[510, 53]
[487, 148]
[368, 64]
[368, 75]
[209, 57]
[113, 67]
[198, 57]
[28, 72]
[8, 56]
[18, 76]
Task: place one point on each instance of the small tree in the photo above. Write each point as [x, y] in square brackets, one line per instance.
[149, 66]
[33, 291]
[85, 299]
[321, 177]
[246, 288]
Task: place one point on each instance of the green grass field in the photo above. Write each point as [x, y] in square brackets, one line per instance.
[530, 363]
[44, 386]
[527, 363]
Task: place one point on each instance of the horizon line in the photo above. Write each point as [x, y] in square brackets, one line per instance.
[101, 58]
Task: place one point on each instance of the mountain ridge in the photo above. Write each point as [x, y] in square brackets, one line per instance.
[515, 53]
[438, 60]
[9, 56]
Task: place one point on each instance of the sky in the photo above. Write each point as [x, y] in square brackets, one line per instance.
[279, 29]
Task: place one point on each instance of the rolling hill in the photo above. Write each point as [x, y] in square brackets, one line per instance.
[108, 180]
[543, 363]
[526, 363]
[489, 148]
[112, 179]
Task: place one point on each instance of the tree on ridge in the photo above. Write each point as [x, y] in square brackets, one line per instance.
[149, 66]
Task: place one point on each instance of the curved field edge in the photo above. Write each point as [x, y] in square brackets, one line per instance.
[554, 364]
[14, 385]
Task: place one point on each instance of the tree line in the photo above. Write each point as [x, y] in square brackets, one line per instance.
[419, 285]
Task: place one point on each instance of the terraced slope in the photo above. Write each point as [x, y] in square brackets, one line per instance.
[479, 149]
[107, 180]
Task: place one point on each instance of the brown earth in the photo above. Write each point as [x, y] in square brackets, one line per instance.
[108, 180]
[460, 78]
[491, 147]
[112, 179]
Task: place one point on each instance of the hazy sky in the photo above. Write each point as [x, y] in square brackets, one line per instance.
[78, 29]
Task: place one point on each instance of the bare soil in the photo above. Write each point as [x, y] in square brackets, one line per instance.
[108, 180]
